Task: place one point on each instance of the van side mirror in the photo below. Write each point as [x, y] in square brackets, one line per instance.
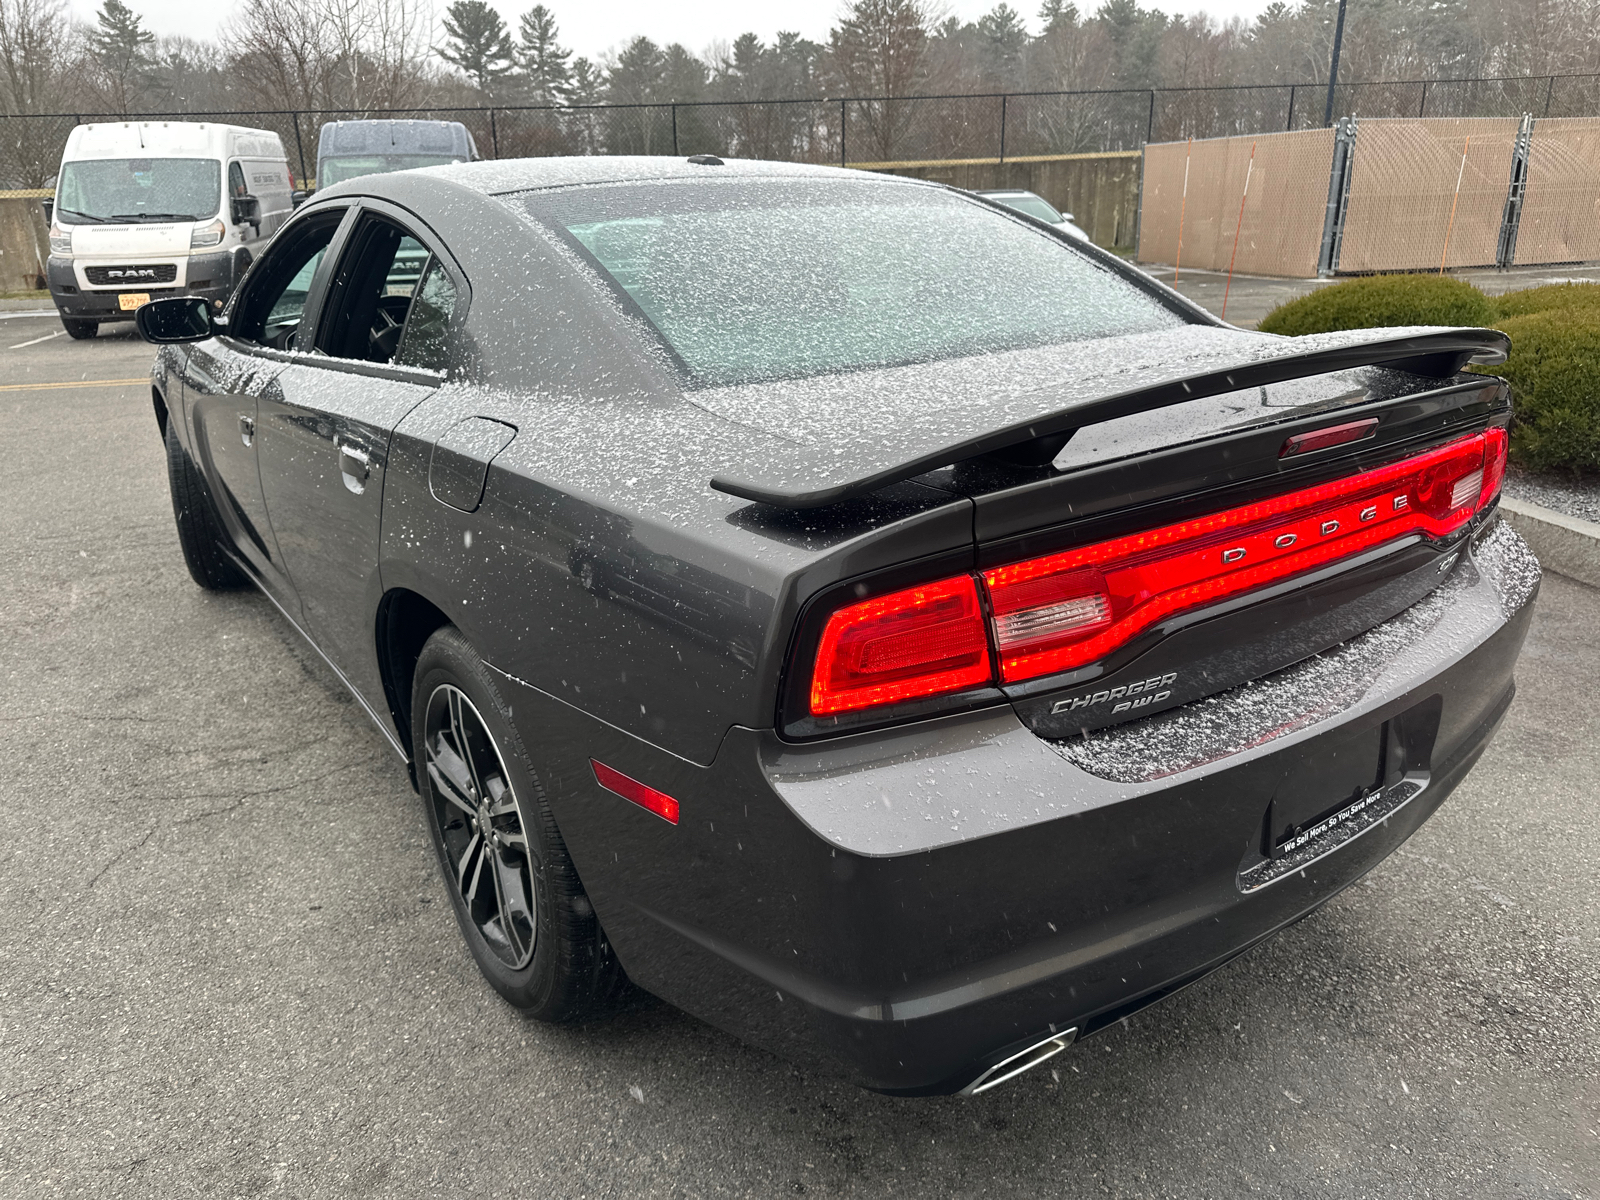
[299, 197]
[246, 211]
[174, 319]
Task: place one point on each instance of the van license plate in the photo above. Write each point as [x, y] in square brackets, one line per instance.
[129, 301]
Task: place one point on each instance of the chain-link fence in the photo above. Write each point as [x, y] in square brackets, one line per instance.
[862, 132]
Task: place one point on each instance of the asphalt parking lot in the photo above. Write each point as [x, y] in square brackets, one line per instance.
[227, 967]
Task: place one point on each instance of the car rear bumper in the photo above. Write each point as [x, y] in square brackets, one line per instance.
[912, 909]
[212, 276]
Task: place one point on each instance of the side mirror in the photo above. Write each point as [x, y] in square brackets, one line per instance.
[246, 210]
[174, 319]
[297, 198]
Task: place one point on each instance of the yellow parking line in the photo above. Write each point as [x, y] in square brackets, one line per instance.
[40, 387]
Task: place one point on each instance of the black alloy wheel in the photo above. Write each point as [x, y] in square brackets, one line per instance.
[485, 841]
[522, 909]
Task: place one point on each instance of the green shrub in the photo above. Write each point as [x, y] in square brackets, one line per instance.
[1545, 299]
[1378, 301]
[1554, 372]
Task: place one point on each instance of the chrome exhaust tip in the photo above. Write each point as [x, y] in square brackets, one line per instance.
[1022, 1060]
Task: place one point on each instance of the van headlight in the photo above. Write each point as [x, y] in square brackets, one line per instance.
[60, 241]
[208, 235]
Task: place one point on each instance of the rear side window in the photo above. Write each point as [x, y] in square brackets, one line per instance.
[777, 279]
[429, 321]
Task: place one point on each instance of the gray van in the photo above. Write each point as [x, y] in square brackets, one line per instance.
[346, 149]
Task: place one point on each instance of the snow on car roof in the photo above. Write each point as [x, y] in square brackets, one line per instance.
[495, 177]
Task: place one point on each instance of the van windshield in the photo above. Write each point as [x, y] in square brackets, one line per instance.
[348, 166]
[138, 189]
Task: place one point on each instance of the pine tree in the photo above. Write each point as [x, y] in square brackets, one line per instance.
[477, 41]
[1002, 39]
[119, 47]
[543, 60]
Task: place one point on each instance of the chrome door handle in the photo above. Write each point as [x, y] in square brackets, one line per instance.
[247, 429]
[355, 464]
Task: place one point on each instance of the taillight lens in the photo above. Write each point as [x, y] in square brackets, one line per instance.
[922, 641]
[1074, 608]
[1131, 583]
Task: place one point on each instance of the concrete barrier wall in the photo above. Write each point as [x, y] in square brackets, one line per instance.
[24, 240]
[1101, 191]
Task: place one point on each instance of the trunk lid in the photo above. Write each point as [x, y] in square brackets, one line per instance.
[1180, 467]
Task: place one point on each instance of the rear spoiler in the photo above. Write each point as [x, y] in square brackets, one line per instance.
[825, 477]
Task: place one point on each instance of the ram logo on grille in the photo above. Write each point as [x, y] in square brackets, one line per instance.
[116, 276]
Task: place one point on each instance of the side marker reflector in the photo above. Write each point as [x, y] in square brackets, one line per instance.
[642, 794]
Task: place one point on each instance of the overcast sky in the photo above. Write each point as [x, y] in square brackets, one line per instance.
[591, 28]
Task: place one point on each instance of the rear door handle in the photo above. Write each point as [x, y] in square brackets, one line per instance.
[247, 429]
[355, 464]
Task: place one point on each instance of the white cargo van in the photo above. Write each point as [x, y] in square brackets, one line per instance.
[160, 208]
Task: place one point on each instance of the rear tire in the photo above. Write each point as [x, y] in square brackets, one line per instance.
[516, 894]
[199, 533]
[80, 331]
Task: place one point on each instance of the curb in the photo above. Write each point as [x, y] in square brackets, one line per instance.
[1566, 545]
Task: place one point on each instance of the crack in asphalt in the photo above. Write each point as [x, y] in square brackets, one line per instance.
[238, 803]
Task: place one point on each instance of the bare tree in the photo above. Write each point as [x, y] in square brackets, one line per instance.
[36, 57]
[331, 55]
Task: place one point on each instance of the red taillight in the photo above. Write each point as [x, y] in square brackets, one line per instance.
[1108, 593]
[919, 642]
[1074, 608]
[642, 794]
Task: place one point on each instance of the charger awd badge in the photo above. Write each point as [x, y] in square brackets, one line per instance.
[1148, 691]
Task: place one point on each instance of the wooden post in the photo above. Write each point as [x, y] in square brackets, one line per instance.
[1454, 201]
[1183, 210]
[1228, 287]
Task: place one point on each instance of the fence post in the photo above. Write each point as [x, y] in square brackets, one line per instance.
[1289, 124]
[1003, 128]
[1511, 219]
[1423, 107]
[1150, 125]
[299, 149]
[674, 130]
[1344, 148]
[494, 135]
[1549, 91]
[843, 111]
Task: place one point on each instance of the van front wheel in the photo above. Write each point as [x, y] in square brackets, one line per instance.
[80, 330]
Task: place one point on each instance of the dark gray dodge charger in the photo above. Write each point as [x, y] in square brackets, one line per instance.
[902, 636]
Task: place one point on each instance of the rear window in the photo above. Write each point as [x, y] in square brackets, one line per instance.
[780, 279]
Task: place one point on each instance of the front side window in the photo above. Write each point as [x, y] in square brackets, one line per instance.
[133, 190]
[273, 304]
[773, 279]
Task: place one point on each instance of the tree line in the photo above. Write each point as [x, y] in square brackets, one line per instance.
[362, 55]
